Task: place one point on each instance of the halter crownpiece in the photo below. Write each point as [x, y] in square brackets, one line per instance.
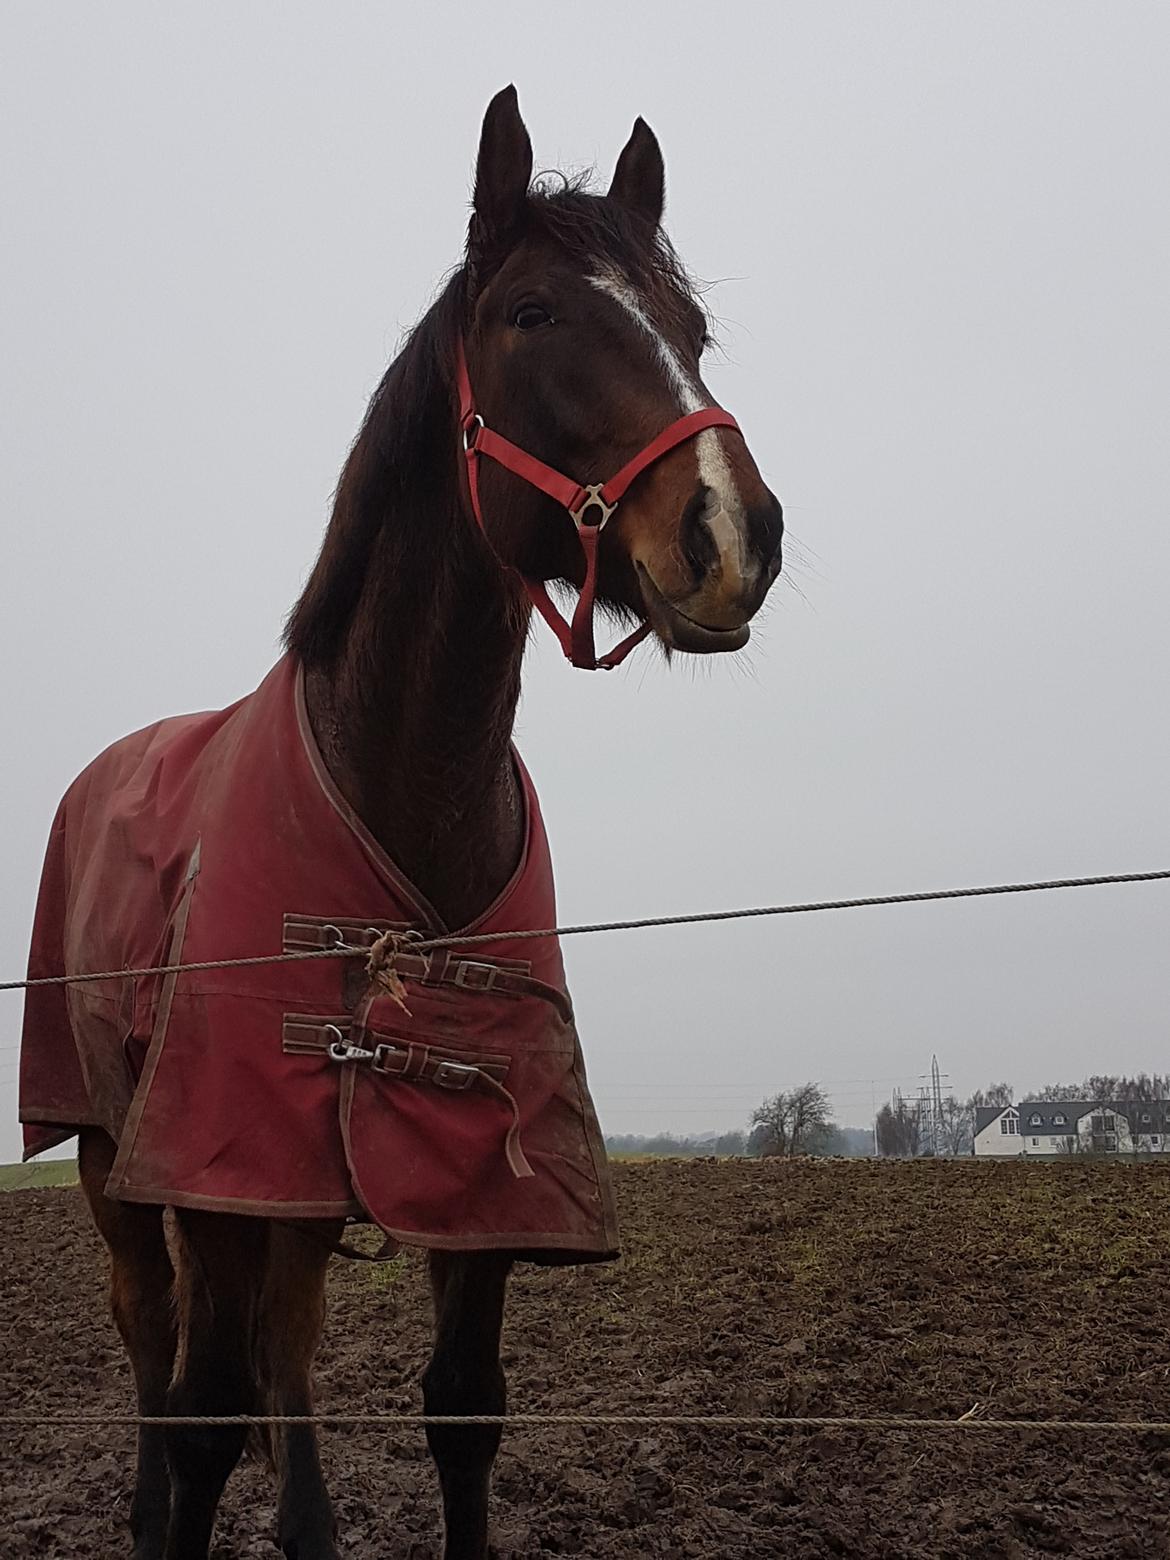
[589, 506]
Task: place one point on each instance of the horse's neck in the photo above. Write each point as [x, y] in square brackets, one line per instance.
[415, 720]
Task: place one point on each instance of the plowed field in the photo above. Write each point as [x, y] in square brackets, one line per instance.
[818, 1287]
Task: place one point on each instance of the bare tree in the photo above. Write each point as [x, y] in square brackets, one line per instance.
[958, 1127]
[899, 1130]
[797, 1122]
[1143, 1088]
[995, 1096]
[1059, 1091]
[1101, 1087]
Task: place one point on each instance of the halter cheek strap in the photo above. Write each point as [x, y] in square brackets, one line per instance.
[590, 507]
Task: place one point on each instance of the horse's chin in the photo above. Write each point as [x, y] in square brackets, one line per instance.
[680, 632]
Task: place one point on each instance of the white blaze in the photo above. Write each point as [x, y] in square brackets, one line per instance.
[724, 514]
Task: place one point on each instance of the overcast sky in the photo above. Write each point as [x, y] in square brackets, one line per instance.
[941, 239]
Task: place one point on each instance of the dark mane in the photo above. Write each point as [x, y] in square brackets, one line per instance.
[400, 433]
[408, 429]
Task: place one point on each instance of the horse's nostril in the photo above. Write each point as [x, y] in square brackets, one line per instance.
[695, 539]
[765, 530]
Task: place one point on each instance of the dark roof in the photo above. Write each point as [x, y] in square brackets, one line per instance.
[1048, 1110]
[1133, 1111]
[986, 1114]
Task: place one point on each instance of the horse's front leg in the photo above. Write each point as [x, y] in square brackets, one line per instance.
[465, 1377]
[220, 1270]
[293, 1314]
[142, 1300]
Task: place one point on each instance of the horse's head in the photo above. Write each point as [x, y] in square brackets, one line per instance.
[583, 344]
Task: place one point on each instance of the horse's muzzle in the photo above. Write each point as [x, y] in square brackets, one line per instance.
[718, 576]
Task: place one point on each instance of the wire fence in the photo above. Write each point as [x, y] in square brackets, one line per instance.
[473, 940]
[972, 1420]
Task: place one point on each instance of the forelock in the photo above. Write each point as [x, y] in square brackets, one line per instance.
[602, 236]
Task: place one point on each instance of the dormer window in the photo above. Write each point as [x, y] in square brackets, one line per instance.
[1146, 1116]
[1060, 1119]
[1035, 1119]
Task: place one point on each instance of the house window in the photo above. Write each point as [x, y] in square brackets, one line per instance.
[1035, 1119]
[1060, 1119]
[1035, 1142]
[1155, 1140]
[1006, 1124]
[1098, 1124]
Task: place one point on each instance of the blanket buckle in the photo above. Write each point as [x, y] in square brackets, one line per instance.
[455, 1075]
[484, 975]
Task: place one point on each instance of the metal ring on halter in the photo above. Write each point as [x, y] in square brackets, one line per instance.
[471, 432]
[592, 500]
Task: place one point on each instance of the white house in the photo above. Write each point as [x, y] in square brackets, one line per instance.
[1044, 1128]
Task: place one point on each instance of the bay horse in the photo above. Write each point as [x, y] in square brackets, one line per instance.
[568, 340]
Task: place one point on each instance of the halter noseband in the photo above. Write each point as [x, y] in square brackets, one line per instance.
[589, 507]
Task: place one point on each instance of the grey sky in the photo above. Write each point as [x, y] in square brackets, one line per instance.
[944, 239]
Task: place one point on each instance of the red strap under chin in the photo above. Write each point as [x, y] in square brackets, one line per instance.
[575, 639]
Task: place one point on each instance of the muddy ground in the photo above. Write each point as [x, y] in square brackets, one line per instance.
[831, 1287]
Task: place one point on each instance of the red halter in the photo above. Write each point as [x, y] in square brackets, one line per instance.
[598, 499]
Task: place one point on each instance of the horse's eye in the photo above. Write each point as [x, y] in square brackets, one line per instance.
[530, 316]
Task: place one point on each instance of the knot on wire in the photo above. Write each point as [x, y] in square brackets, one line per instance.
[380, 965]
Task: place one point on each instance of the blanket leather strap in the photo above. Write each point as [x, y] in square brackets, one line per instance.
[347, 1041]
[386, 1252]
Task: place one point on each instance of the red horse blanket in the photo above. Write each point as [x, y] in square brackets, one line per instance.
[302, 1089]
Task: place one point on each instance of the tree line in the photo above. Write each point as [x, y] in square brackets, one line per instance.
[794, 1121]
[800, 1121]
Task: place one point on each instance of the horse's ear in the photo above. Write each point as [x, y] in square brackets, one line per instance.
[503, 172]
[639, 180]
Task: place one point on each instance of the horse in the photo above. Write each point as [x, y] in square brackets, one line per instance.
[569, 339]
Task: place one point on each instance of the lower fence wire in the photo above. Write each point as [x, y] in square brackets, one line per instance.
[972, 1420]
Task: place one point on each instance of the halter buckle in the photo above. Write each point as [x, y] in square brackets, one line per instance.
[592, 500]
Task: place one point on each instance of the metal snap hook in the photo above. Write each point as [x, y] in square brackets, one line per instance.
[340, 1049]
